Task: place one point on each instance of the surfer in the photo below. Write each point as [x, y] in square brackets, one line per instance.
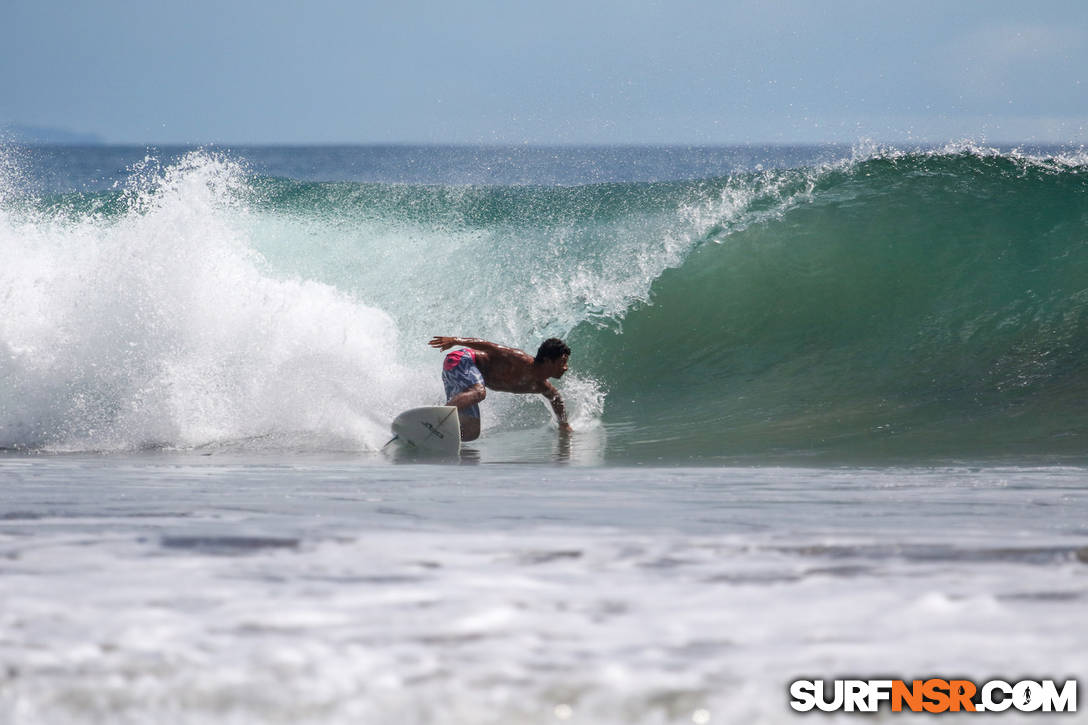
[479, 364]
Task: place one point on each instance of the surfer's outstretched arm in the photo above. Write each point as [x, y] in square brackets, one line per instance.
[560, 409]
[445, 343]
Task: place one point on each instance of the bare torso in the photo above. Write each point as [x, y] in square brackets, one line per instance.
[510, 371]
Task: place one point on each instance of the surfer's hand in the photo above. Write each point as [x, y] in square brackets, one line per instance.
[564, 427]
[443, 343]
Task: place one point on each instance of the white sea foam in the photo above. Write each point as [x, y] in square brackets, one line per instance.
[185, 591]
[164, 324]
[158, 327]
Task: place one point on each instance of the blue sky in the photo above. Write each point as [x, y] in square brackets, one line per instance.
[611, 71]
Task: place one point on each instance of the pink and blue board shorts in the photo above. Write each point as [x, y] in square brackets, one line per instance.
[459, 373]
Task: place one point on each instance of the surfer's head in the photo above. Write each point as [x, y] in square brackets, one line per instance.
[552, 354]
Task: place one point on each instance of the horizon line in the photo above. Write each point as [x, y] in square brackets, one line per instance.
[536, 144]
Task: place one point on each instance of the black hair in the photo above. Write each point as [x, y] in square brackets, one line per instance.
[551, 349]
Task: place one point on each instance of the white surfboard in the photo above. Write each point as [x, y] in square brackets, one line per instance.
[434, 429]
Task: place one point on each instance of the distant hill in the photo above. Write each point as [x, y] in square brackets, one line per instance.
[42, 134]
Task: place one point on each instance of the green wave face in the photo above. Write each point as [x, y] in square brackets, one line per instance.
[923, 305]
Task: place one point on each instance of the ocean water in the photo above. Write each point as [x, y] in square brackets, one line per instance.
[828, 407]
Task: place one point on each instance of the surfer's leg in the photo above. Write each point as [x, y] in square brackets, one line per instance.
[467, 403]
[468, 400]
[464, 390]
[470, 427]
